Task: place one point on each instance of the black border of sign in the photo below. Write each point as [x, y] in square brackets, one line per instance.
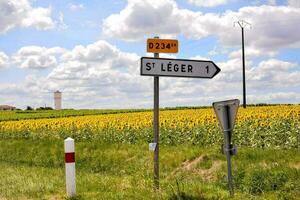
[218, 69]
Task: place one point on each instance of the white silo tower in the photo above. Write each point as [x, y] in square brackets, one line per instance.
[57, 100]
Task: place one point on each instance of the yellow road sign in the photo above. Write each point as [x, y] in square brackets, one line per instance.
[162, 45]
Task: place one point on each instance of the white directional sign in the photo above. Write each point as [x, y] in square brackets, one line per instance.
[178, 68]
[226, 112]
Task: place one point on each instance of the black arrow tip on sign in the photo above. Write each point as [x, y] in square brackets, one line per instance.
[217, 69]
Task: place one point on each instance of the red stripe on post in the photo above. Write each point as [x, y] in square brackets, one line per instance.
[70, 157]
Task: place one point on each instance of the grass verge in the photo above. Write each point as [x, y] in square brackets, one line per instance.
[34, 169]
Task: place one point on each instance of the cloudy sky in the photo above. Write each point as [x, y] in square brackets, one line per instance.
[90, 51]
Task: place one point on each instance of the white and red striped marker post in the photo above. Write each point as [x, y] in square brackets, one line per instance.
[70, 167]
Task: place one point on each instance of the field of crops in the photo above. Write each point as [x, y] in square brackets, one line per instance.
[113, 160]
[40, 114]
[269, 126]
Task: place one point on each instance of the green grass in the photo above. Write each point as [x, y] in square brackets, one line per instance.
[34, 169]
[39, 114]
[206, 162]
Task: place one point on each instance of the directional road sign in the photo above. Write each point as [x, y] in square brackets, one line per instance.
[226, 113]
[178, 68]
[156, 45]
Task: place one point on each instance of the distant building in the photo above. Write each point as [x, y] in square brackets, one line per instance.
[57, 100]
[6, 107]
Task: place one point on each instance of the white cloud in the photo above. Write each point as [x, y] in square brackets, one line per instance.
[19, 13]
[274, 27]
[261, 79]
[213, 52]
[100, 53]
[251, 52]
[39, 18]
[274, 65]
[76, 7]
[274, 73]
[210, 3]
[272, 2]
[199, 58]
[142, 17]
[100, 75]
[274, 97]
[4, 59]
[294, 3]
[36, 57]
[61, 23]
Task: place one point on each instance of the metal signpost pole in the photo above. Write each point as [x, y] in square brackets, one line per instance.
[227, 146]
[244, 73]
[170, 68]
[156, 128]
[226, 112]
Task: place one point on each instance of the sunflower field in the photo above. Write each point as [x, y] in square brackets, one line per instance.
[113, 160]
[267, 126]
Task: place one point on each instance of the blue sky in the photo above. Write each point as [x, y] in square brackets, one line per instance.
[90, 51]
